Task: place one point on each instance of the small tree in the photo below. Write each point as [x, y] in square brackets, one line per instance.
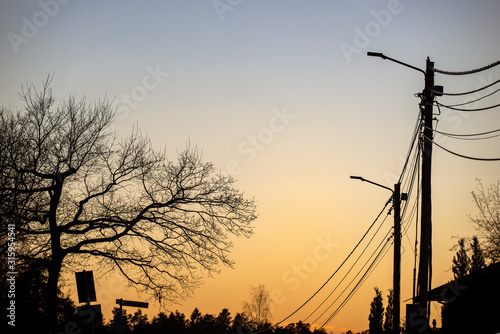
[477, 257]
[376, 317]
[461, 261]
[258, 309]
[487, 222]
[389, 312]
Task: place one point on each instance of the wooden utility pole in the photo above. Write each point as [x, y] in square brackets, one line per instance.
[426, 206]
[397, 259]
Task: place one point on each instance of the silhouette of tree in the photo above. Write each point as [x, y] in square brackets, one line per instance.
[195, 317]
[175, 323]
[31, 296]
[76, 193]
[223, 321]
[461, 261]
[487, 222]
[118, 316]
[139, 323]
[258, 309]
[389, 312]
[376, 317]
[478, 261]
[240, 324]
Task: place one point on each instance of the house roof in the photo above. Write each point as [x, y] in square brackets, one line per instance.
[487, 278]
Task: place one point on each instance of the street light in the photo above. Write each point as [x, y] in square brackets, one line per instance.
[396, 198]
[420, 310]
[381, 55]
[365, 180]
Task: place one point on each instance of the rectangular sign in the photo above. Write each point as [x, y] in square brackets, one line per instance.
[89, 313]
[85, 286]
[131, 303]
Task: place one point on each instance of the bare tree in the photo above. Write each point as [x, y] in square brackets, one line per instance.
[258, 309]
[77, 193]
[487, 222]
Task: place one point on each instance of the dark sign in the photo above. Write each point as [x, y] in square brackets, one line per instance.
[89, 313]
[131, 303]
[85, 286]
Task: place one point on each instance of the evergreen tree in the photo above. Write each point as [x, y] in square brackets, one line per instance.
[478, 261]
[461, 261]
[389, 312]
[224, 320]
[376, 317]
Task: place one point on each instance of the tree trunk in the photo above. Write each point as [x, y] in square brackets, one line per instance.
[56, 259]
[52, 289]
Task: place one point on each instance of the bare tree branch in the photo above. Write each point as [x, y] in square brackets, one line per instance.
[76, 192]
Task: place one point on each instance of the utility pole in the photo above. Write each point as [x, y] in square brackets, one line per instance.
[417, 318]
[397, 259]
[426, 206]
[396, 202]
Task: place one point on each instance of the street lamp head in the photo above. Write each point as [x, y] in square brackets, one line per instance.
[356, 177]
[375, 54]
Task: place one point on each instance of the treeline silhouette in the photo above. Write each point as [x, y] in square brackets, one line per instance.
[178, 323]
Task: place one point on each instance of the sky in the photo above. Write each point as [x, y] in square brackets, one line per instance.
[281, 95]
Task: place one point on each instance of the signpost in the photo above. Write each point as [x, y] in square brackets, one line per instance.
[131, 303]
[86, 294]
[120, 320]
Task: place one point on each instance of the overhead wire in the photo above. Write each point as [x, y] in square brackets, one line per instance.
[341, 265]
[466, 135]
[462, 155]
[352, 280]
[476, 100]
[472, 91]
[477, 70]
[409, 183]
[365, 276]
[381, 254]
[463, 109]
[348, 272]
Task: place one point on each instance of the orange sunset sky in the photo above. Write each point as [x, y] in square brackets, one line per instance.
[281, 95]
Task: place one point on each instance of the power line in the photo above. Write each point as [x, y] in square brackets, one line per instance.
[352, 280]
[418, 126]
[348, 272]
[466, 135]
[479, 99]
[470, 71]
[464, 156]
[461, 109]
[472, 91]
[341, 265]
[416, 131]
[365, 276]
